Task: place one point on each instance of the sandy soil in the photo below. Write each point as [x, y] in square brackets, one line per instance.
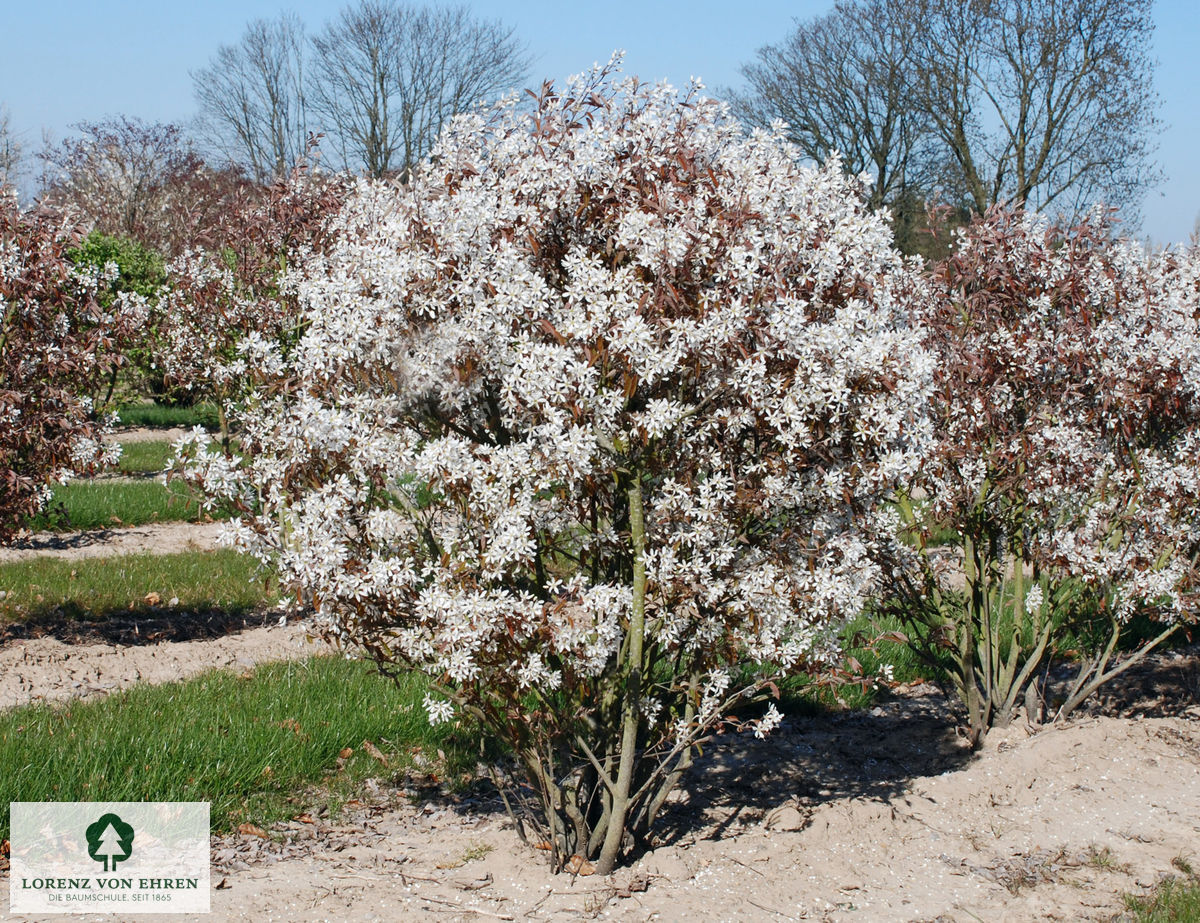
[116, 654]
[877, 815]
[146, 434]
[154, 538]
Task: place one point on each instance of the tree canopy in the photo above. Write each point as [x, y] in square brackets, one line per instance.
[1045, 104]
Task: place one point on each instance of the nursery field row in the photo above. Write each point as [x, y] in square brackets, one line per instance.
[92, 588]
[107, 504]
[283, 740]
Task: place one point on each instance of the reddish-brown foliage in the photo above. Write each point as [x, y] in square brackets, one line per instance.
[56, 344]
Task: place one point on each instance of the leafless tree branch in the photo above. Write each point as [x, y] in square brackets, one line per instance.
[252, 98]
[386, 76]
[1047, 104]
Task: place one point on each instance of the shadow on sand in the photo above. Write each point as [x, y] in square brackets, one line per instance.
[141, 625]
[871, 754]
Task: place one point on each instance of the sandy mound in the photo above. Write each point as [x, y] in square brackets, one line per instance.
[880, 816]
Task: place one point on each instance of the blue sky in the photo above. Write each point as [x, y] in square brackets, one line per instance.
[62, 62]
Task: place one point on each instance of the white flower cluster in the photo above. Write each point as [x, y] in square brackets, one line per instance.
[621, 287]
[213, 332]
[1069, 407]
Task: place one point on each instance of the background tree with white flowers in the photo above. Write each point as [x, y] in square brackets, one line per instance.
[1066, 462]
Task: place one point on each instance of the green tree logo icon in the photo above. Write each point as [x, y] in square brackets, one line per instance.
[110, 840]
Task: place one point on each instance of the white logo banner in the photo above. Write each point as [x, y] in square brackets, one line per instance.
[109, 857]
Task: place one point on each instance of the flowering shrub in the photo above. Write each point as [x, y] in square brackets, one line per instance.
[223, 307]
[140, 181]
[1067, 456]
[591, 421]
[138, 271]
[58, 345]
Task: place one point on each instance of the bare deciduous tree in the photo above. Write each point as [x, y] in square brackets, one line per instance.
[251, 97]
[1047, 104]
[10, 150]
[385, 76]
[840, 82]
[1042, 103]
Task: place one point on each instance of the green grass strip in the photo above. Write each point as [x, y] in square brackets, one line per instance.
[98, 587]
[106, 504]
[151, 415]
[145, 457]
[1175, 900]
[259, 747]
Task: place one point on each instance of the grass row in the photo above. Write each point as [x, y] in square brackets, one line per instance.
[260, 748]
[90, 588]
[105, 504]
[152, 415]
[149, 457]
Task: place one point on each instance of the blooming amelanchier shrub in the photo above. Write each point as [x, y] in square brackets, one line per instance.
[58, 345]
[1067, 458]
[223, 308]
[592, 422]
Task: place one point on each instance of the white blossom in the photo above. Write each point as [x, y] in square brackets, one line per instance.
[616, 294]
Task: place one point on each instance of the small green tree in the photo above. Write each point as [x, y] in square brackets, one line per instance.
[121, 264]
[139, 269]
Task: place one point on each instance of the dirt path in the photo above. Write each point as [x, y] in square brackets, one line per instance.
[154, 538]
[143, 651]
[146, 434]
[877, 815]
[1053, 827]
